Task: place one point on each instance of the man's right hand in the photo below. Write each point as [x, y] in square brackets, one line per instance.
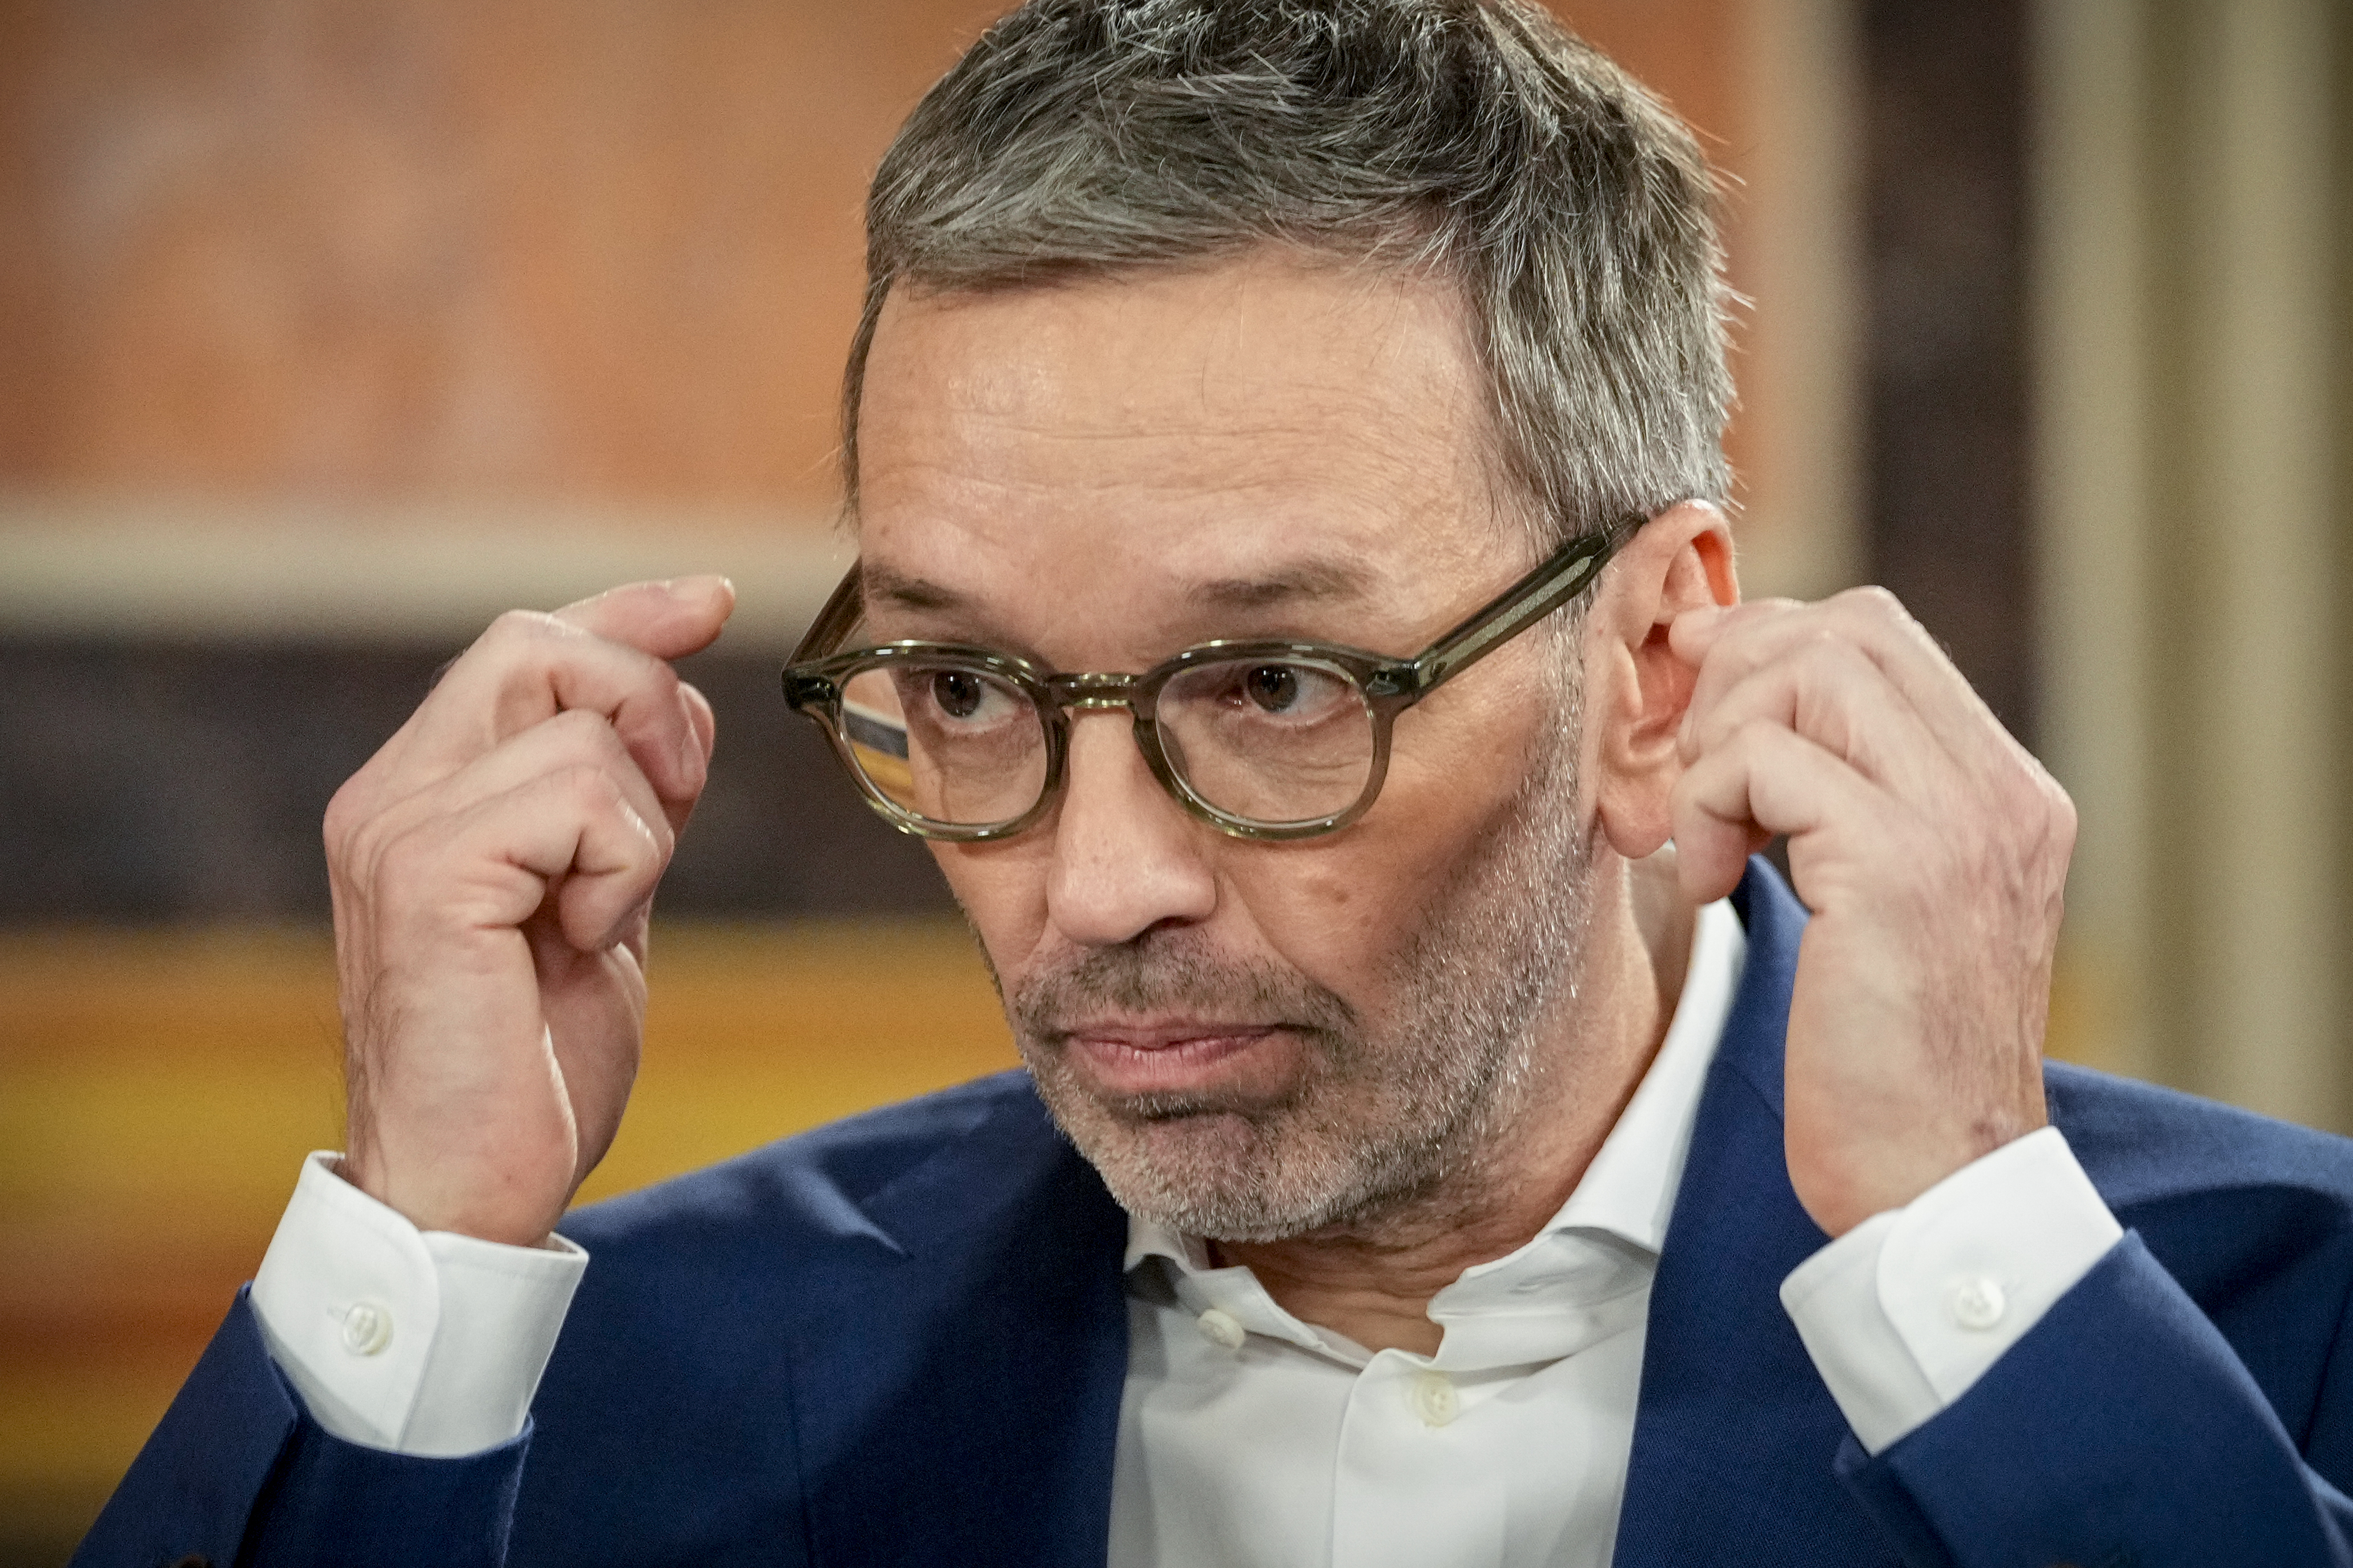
[493, 868]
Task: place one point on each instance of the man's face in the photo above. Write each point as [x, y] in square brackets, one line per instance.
[1249, 1040]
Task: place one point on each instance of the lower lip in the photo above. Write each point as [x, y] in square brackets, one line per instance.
[1193, 1063]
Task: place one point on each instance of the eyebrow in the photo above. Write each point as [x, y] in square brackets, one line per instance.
[880, 584]
[1306, 582]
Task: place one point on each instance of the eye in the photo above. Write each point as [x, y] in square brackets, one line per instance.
[1274, 688]
[957, 692]
[1292, 693]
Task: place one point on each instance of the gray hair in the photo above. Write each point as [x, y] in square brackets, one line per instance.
[1473, 140]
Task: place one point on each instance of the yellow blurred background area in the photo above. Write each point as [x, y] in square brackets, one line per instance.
[158, 1089]
[329, 330]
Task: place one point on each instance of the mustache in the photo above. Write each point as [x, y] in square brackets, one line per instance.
[1170, 973]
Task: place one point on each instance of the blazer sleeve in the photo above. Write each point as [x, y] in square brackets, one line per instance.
[239, 1473]
[2122, 1428]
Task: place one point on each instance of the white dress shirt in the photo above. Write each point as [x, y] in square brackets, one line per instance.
[1247, 1435]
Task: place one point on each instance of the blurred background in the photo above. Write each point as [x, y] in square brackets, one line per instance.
[327, 331]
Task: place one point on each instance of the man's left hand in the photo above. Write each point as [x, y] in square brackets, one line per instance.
[1932, 849]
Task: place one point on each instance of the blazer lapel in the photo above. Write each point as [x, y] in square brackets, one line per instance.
[957, 1397]
[1734, 1434]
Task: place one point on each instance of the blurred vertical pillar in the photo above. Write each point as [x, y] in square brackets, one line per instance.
[1801, 244]
[1946, 219]
[2092, 475]
[2190, 411]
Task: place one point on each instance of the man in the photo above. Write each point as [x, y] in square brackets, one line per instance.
[1439, 1138]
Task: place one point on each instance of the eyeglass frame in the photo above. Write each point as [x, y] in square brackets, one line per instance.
[1389, 686]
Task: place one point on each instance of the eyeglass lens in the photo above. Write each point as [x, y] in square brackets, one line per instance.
[946, 742]
[1269, 742]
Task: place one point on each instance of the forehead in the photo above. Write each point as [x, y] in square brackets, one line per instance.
[1139, 438]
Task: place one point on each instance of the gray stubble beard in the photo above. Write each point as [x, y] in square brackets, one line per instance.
[1383, 1139]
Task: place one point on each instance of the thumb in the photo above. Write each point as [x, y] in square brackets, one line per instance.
[666, 619]
[1694, 631]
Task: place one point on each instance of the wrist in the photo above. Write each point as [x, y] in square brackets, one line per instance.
[456, 1207]
[1840, 1187]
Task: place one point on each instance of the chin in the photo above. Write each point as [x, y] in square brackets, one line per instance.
[1219, 1172]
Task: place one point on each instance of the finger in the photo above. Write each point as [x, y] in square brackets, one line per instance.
[1694, 632]
[1837, 696]
[492, 866]
[608, 858]
[579, 991]
[526, 669]
[1734, 643]
[1764, 779]
[1699, 637]
[617, 861]
[669, 619]
[706, 724]
[606, 654]
[698, 710]
[571, 739]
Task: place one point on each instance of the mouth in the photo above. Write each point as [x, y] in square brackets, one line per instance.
[1120, 1060]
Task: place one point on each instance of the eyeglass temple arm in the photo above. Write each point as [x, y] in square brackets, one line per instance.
[842, 608]
[1566, 574]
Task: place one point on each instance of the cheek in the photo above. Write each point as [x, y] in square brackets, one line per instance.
[1458, 763]
[1340, 911]
[1310, 901]
[1001, 888]
[1345, 905]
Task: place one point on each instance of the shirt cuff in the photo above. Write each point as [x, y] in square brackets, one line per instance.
[1903, 1314]
[423, 1343]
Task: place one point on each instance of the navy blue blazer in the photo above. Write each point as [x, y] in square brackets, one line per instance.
[903, 1338]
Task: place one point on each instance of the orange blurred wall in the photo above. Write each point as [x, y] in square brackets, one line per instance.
[510, 248]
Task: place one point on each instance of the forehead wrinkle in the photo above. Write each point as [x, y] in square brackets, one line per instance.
[1266, 495]
[1349, 445]
[1003, 424]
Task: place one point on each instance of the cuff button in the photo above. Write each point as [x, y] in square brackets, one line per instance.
[1979, 1303]
[367, 1328]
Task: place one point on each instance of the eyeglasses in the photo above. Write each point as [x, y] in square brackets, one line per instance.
[1267, 739]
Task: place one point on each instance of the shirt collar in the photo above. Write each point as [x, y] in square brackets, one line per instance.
[1629, 1190]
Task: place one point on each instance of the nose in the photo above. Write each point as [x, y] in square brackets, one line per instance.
[1126, 857]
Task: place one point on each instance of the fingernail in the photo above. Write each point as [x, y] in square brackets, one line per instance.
[698, 589]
